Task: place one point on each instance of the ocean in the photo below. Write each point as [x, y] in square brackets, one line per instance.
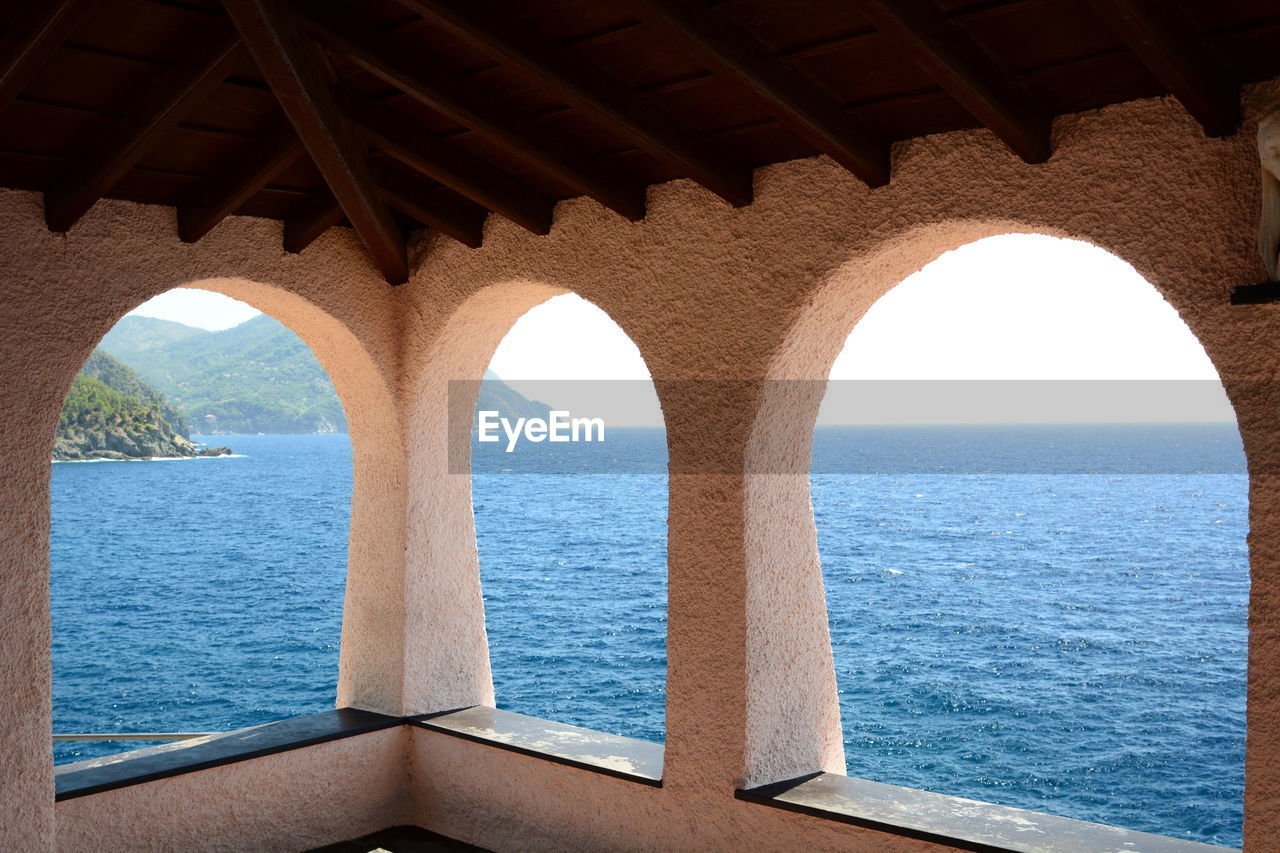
[1045, 617]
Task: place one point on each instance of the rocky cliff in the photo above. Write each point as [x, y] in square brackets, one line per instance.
[112, 414]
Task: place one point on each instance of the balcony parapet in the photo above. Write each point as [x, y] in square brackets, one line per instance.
[96, 775]
[613, 755]
[958, 823]
[953, 822]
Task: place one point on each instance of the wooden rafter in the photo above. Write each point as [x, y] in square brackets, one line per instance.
[230, 188]
[304, 229]
[728, 50]
[419, 75]
[153, 114]
[947, 54]
[32, 40]
[1166, 41]
[647, 126]
[1265, 293]
[286, 62]
[92, 110]
[473, 177]
[411, 196]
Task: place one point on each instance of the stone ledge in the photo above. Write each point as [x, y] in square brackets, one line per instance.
[956, 822]
[613, 755]
[959, 823]
[173, 759]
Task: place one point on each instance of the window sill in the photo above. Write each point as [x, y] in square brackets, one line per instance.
[613, 755]
[960, 823]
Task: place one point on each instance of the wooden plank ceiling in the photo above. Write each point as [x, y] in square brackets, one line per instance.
[390, 116]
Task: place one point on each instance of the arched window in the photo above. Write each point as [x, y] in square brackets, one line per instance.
[571, 533]
[1037, 589]
[196, 593]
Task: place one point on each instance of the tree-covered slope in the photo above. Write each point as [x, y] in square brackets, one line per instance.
[110, 413]
[256, 377]
[124, 381]
[132, 336]
[93, 404]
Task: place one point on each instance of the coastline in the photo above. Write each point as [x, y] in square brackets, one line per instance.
[154, 459]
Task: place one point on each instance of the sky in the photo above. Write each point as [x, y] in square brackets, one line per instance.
[1016, 307]
[200, 308]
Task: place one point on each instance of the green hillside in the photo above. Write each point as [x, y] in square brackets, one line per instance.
[123, 381]
[110, 413]
[256, 377]
[133, 335]
[93, 404]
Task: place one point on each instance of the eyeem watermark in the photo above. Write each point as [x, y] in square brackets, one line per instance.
[559, 427]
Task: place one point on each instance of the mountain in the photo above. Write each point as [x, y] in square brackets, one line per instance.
[134, 335]
[255, 377]
[110, 413]
[121, 378]
[497, 396]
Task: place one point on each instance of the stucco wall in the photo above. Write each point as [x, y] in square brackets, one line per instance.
[772, 291]
[290, 801]
[501, 800]
[706, 292]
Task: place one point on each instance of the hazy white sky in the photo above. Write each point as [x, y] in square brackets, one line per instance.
[200, 308]
[1011, 307]
[1023, 306]
[567, 337]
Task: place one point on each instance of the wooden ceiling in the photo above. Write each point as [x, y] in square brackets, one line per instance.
[396, 115]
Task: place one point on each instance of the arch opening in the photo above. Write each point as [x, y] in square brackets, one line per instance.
[571, 531]
[1031, 507]
[196, 593]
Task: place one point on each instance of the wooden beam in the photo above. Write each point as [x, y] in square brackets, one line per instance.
[650, 128]
[1166, 41]
[418, 74]
[1256, 294]
[226, 191]
[161, 106]
[411, 195]
[304, 229]
[32, 40]
[729, 50]
[400, 137]
[282, 56]
[944, 52]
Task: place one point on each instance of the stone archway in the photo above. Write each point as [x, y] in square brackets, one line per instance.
[793, 720]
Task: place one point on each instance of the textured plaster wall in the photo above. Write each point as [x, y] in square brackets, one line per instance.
[707, 292]
[500, 800]
[771, 291]
[291, 801]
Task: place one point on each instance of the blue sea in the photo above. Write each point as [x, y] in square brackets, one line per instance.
[1045, 617]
